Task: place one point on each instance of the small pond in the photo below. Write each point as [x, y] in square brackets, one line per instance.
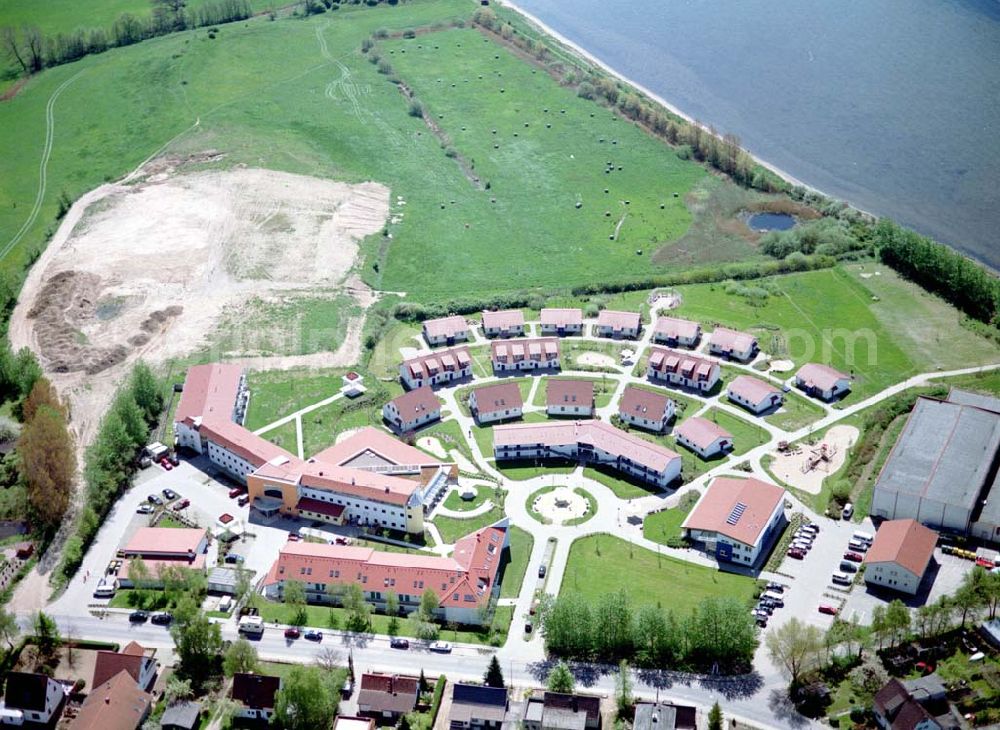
[771, 221]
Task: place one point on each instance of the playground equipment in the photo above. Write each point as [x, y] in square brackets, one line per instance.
[821, 455]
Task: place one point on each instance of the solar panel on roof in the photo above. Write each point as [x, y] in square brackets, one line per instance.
[735, 515]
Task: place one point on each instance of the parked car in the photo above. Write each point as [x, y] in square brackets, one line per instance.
[776, 587]
[235, 492]
[828, 609]
[441, 647]
[243, 500]
[761, 621]
[848, 511]
[841, 578]
[154, 499]
[292, 633]
[161, 618]
[145, 508]
[528, 627]
[800, 545]
[233, 558]
[294, 536]
[314, 635]
[811, 526]
[170, 494]
[853, 557]
[775, 598]
[858, 546]
[138, 617]
[397, 643]
[848, 567]
[796, 553]
[165, 463]
[174, 459]
[178, 506]
[541, 570]
[763, 607]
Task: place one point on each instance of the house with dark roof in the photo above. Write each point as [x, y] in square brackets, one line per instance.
[498, 402]
[896, 708]
[31, 697]
[559, 711]
[569, 397]
[181, 716]
[476, 706]
[255, 695]
[644, 409]
[411, 410]
[899, 555]
[131, 659]
[387, 695]
[664, 716]
[117, 704]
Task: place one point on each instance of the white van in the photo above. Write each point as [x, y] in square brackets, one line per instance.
[225, 604]
[863, 537]
[252, 625]
[848, 511]
[858, 546]
[106, 588]
[842, 578]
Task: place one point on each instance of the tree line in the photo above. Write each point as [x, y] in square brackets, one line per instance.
[112, 458]
[720, 631]
[31, 51]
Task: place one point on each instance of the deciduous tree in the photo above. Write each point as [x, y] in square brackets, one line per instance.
[240, 658]
[560, 679]
[294, 595]
[306, 700]
[48, 464]
[795, 646]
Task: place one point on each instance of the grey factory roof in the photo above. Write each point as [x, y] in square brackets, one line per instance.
[945, 453]
[968, 398]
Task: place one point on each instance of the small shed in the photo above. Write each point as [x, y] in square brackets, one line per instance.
[181, 716]
[223, 580]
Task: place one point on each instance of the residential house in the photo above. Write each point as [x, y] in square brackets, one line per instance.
[735, 519]
[446, 330]
[619, 325]
[899, 556]
[411, 410]
[346, 722]
[897, 708]
[664, 716]
[255, 695]
[562, 322]
[499, 402]
[942, 469]
[531, 354]
[117, 704]
[703, 437]
[732, 344]
[569, 397]
[822, 381]
[645, 409]
[464, 582]
[682, 369]
[754, 394]
[388, 695]
[132, 659]
[437, 368]
[183, 715]
[504, 323]
[675, 332]
[559, 711]
[30, 697]
[475, 707]
[595, 442]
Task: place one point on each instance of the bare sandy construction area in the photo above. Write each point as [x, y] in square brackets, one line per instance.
[805, 467]
[596, 359]
[148, 267]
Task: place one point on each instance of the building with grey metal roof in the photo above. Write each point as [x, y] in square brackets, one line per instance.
[943, 467]
[979, 400]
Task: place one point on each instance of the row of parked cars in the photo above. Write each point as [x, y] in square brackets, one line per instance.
[802, 541]
[770, 600]
[154, 500]
[857, 546]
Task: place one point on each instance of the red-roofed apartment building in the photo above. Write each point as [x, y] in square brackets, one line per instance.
[505, 323]
[217, 391]
[703, 437]
[732, 344]
[569, 397]
[463, 582]
[680, 368]
[645, 409]
[754, 394]
[735, 519]
[592, 441]
[446, 330]
[822, 381]
[899, 555]
[561, 322]
[673, 332]
[498, 402]
[612, 323]
[534, 354]
[410, 411]
[443, 366]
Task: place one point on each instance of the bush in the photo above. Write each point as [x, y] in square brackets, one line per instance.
[416, 109]
[438, 694]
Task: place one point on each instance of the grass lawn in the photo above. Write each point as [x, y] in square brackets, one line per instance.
[455, 502]
[600, 564]
[521, 545]
[385, 357]
[604, 388]
[530, 502]
[453, 528]
[664, 526]
[284, 436]
[320, 617]
[574, 350]
[321, 427]
[168, 520]
[795, 413]
[746, 435]
[521, 469]
[591, 508]
[623, 485]
[449, 433]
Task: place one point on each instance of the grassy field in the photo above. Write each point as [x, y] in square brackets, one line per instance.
[664, 526]
[453, 528]
[519, 470]
[385, 358]
[604, 388]
[455, 502]
[521, 545]
[600, 564]
[796, 413]
[623, 485]
[829, 316]
[746, 435]
[284, 436]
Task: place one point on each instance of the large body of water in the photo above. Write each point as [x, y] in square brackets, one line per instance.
[892, 105]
